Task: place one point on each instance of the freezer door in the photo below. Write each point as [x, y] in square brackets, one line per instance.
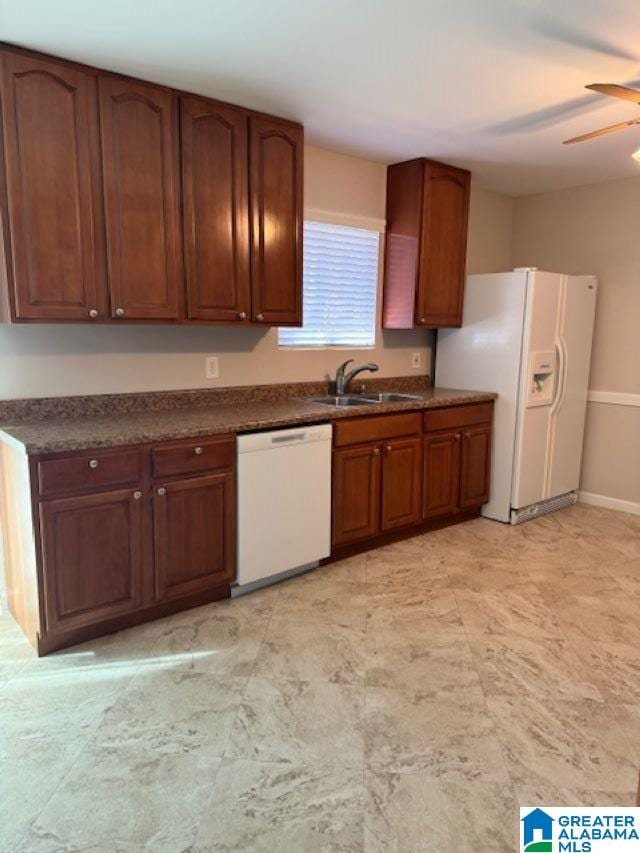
[541, 331]
[577, 315]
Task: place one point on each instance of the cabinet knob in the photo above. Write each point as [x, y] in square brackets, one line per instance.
[242, 315]
[376, 451]
[93, 313]
[260, 317]
[137, 495]
[198, 451]
[467, 435]
[457, 436]
[387, 448]
[93, 463]
[422, 320]
[162, 491]
[119, 312]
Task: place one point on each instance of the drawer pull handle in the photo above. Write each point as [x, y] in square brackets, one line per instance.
[93, 463]
[198, 451]
[162, 491]
[137, 496]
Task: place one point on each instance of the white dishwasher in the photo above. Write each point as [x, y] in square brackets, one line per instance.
[284, 503]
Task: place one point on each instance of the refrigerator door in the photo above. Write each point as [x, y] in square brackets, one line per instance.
[485, 355]
[564, 453]
[541, 345]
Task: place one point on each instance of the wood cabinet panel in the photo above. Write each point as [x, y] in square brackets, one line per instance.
[356, 494]
[375, 428]
[215, 210]
[92, 558]
[275, 177]
[441, 486]
[458, 416]
[401, 483]
[53, 189]
[89, 472]
[444, 245]
[427, 221]
[172, 459]
[139, 161]
[475, 475]
[194, 534]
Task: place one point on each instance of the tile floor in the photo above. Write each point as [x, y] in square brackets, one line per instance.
[405, 700]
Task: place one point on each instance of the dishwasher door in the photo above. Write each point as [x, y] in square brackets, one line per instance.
[284, 502]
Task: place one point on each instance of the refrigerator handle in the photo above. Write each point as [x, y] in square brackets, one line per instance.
[562, 375]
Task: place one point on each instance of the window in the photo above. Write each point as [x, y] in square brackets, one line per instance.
[340, 282]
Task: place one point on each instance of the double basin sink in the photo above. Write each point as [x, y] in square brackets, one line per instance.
[345, 400]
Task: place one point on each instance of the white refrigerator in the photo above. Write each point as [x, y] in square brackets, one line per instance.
[527, 335]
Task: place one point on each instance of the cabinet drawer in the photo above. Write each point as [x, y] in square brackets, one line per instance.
[88, 472]
[185, 457]
[375, 428]
[458, 416]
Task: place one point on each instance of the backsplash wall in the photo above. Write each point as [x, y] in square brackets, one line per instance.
[40, 360]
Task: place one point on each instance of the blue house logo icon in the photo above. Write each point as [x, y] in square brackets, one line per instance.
[537, 832]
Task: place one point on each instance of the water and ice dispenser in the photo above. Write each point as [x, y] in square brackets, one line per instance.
[541, 379]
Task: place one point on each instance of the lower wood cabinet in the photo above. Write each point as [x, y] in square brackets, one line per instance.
[401, 483]
[376, 486]
[122, 535]
[356, 494]
[457, 471]
[194, 534]
[92, 557]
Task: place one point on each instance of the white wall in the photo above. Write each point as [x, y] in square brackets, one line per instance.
[42, 360]
[594, 229]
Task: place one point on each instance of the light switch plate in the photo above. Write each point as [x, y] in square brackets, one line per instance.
[211, 368]
[416, 360]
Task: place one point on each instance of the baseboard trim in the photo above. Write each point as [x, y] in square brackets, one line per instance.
[613, 398]
[609, 503]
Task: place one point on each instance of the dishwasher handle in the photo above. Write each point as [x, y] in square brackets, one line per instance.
[285, 439]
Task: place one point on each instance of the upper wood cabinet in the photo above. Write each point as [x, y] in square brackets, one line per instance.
[139, 164]
[125, 201]
[52, 207]
[426, 244]
[275, 177]
[215, 210]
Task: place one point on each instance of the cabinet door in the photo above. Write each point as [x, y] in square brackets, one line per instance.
[444, 245]
[356, 494]
[139, 132]
[441, 474]
[92, 558]
[53, 189]
[476, 467]
[215, 210]
[275, 162]
[401, 482]
[194, 531]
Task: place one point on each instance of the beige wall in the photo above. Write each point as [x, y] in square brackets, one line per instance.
[42, 360]
[594, 229]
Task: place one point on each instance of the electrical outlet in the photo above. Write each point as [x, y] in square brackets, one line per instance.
[211, 368]
[416, 360]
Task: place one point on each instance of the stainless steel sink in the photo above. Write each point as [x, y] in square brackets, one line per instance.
[388, 397]
[341, 401]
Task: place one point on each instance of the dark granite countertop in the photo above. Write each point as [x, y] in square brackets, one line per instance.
[52, 435]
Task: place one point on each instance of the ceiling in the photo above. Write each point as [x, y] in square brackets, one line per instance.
[493, 85]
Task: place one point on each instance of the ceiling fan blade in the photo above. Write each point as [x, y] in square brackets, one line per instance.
[616, 91]
[603, 130]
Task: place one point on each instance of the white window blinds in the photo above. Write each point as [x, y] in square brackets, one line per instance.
[340, 277]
